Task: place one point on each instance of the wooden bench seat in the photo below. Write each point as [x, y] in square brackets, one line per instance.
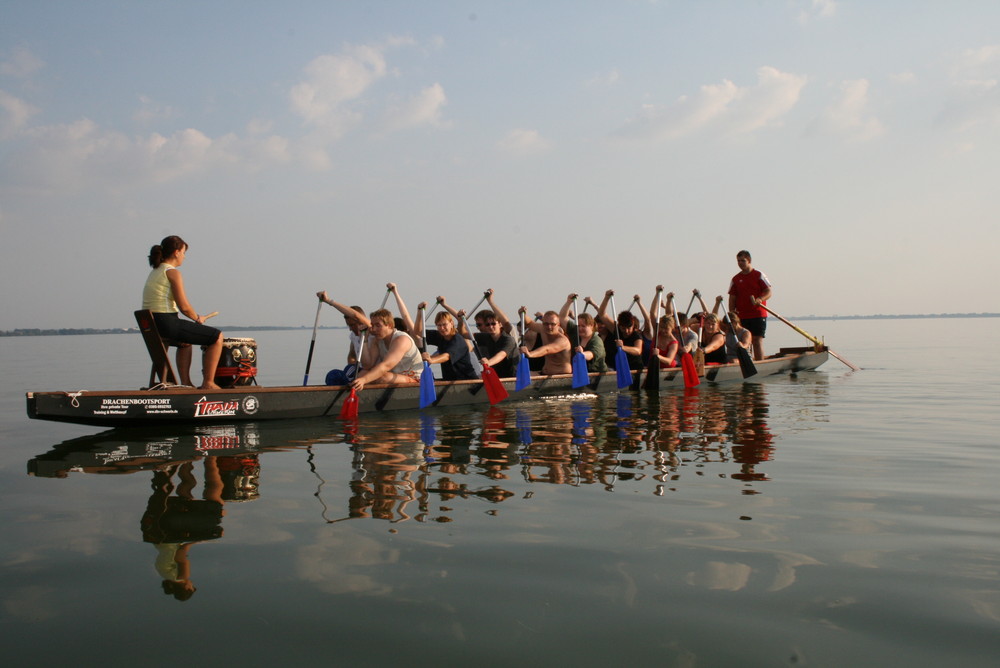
[157, 347]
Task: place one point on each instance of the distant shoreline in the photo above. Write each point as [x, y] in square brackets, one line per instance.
[261, 328]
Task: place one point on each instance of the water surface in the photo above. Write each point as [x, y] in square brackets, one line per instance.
[832, 518]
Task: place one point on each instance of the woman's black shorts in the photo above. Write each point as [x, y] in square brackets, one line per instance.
[186, 331]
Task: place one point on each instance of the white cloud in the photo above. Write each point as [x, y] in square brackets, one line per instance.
[151, 111]
[974, 101]
[522, 142]
[724, 108]
[818, 9]
[604, 79]
[333, 81]
[14, 114]
[424, 108]
[984, 56]
[849, 115]
[21, 64]
[76, 155]
[904, 78]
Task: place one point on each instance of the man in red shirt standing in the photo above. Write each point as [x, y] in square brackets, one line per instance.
[747, 291]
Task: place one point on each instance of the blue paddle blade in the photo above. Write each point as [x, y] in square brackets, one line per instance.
[621, 367]
[427, 393]
[580, 376]
[523, 374]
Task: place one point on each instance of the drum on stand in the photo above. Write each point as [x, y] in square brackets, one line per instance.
[238, 363]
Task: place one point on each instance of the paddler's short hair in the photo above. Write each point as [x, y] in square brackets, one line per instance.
[384, 316]
[585, 319]
[441, 317]
[746, 254]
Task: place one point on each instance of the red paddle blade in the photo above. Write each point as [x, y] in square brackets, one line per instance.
[349, 409]
[495, 390]
[690, 371]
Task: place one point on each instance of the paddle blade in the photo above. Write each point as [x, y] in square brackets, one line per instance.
[523, 374]
[495, 390]
[580, 376]
[746, 362]
[690, 371]
[349, 409]
[427, 393]
[652, 383]
[622, 369]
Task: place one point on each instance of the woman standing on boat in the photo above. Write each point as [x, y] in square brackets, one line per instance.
[164, 295]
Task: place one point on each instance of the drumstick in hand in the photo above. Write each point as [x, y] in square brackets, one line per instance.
[211, 315]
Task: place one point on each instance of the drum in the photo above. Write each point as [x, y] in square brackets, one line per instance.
[238, 363]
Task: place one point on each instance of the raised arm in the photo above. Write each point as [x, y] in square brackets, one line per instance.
[346, 310]
[505, 323]
[602, 310]
[654, 308]
[417, 331]
[564, 311]
[404, 313]
[697, 294]
[647, 327]
[529, 324]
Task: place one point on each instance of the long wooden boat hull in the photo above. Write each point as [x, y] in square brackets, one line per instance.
[122, 408]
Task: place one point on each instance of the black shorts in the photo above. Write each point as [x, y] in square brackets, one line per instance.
[757, 326]
[172, 327]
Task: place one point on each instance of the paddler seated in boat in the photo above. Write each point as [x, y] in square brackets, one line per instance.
[583, 333]
[164, 295]
[631, 339]
[713, 341]
[688, 339]
[453, 349]
[357, 323]
[605, 327]
[555, 347]
[498, 348]
[737, 336]
[666, 345]
[390, 356]
[528, 337]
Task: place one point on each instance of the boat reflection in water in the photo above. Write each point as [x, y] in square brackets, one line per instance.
[416, 467]
[226, 458]
[429, 467]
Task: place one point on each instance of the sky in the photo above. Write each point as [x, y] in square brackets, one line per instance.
[536, 148]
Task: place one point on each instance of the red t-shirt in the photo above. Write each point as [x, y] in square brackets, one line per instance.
[746, 286]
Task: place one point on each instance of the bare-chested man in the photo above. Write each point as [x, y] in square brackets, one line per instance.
[555, 348]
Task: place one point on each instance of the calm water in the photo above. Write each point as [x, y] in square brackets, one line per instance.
[831, 519]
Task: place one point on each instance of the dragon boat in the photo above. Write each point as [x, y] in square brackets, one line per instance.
[163, 404]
